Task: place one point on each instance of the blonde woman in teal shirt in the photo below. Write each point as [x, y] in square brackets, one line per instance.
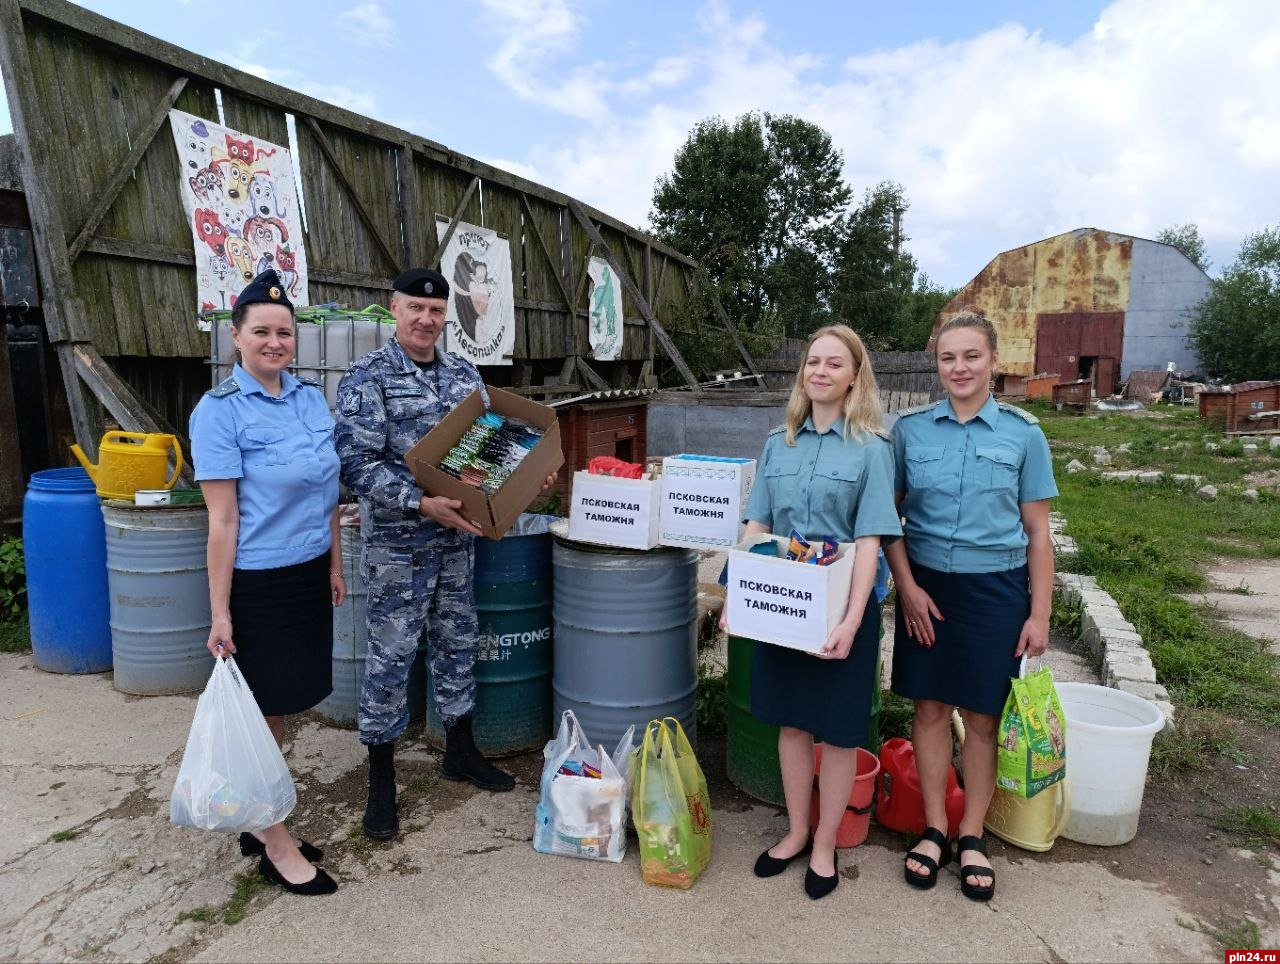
[827, 472]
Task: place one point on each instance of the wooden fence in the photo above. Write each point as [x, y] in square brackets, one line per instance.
[90, 99]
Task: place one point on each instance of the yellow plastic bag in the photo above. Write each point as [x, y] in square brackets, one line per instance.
[670, 807]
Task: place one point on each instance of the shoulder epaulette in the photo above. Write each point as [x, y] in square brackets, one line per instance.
[1022, 413]
[224, 388]
[775, 431]
[311, 382]
[917, 409]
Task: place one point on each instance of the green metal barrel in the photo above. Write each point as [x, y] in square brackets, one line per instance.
[513, 668]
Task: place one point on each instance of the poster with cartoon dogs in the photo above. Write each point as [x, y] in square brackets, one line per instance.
[481, 316]
[239, 193]
[605, 333]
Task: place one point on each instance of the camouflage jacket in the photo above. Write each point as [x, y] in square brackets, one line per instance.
[386, 404]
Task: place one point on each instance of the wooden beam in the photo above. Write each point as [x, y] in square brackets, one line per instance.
[566, 370]
[630, 286]
[410, 216]
[357, 202]
[453, 223]
[729, 325]
[537, 234]
[63, 313]
[594, 380]
[106, 195]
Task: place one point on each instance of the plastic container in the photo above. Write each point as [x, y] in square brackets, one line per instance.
[66, 558]
[899, 802]
[751, 747]
[1109, 734]
[1032, 824]
[856, 822]
[513, 666]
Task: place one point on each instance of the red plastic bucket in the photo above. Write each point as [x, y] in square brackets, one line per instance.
[857, 815]
[900, 804]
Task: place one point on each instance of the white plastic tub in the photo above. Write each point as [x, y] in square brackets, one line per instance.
[1109, 734]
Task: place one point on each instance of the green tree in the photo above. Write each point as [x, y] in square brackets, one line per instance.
[1236, 329]
[756, 201]
[1186, 238]
[873, 274]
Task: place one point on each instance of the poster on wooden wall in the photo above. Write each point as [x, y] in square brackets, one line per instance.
[239, 193]
[605, 332]
[481, 317]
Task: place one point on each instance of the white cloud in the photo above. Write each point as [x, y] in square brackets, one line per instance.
[367, 25]
[357, 99]
[1164, 112]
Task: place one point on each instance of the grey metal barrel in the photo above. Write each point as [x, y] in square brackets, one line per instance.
[351, 643]
[158, 581]
[625, 636]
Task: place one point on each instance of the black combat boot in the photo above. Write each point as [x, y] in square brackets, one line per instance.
[380, 821]
[462, 761]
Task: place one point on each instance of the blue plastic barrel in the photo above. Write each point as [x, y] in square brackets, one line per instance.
[66, 557]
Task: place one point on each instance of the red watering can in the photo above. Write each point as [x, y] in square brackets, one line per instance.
[899, 803]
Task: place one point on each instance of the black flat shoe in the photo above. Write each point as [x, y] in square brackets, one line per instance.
[975, 891]
[930, 877]
[251, 846]
[317, 886]
[767, 866]
[817, 886]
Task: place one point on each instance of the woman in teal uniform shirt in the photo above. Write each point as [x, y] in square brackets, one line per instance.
[974, 577]
[262, 444]
[827, 472]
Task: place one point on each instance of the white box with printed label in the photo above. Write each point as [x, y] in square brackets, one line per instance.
[703, 499]
[787, 603]
[609, 511]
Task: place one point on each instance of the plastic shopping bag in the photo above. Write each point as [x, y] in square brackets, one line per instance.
[582, 801]
[671, 808]
[1031, 750]
[233, 777]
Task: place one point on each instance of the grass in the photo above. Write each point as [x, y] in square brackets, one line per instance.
[234, 908]
[1231, 935]
[15, 635]
[1147, 544]
[713, 698]
[896, 713]
[1256, 825]
[62, 836]
[1200, 737]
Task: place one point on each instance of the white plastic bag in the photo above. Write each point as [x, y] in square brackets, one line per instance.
[583, 816]
[233, 777]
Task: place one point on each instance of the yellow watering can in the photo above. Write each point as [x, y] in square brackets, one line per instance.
[129, 461]
[1032, 824]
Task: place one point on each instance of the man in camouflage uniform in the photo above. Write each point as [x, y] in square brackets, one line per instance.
[419, 552]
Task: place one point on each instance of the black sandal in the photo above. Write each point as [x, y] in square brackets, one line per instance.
[975, 891]
[927, 880]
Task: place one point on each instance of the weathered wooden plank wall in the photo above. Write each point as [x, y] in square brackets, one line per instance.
[373, 194]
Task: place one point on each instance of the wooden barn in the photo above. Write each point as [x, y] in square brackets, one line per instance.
[101, 286]
[1244, 407]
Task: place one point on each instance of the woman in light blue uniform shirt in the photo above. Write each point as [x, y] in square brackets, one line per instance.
[974, 577]
[827, 472]
[262, 444]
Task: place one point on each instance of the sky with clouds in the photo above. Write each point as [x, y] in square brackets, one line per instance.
[1004, 122]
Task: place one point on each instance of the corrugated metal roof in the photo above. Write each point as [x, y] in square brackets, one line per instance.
[605, 395]
[1237, 387]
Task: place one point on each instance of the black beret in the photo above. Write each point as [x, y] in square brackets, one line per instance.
[266, 289]
[421, 283]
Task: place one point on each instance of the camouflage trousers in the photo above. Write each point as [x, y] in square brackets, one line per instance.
[412, 590]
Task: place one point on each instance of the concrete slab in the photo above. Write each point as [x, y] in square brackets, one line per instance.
[1256, 611]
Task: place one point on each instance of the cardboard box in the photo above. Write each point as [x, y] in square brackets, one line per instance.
[793, 604]
[703, 499]
[609, 511]
[496, 513]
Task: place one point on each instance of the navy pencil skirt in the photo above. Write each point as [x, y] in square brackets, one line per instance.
[830, 698]
[282, 625]
[971, 661]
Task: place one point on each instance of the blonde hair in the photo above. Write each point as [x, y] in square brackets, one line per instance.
[862, 413]
[968, 317]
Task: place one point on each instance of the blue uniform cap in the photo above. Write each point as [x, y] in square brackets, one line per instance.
[266, 289]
